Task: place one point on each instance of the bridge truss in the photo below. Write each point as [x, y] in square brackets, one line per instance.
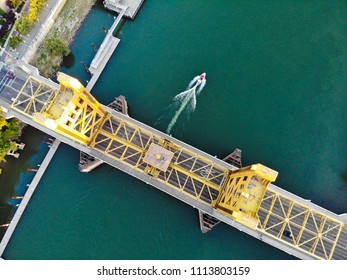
[238, 194]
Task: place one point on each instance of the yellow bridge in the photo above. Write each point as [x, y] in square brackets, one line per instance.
[243, 198]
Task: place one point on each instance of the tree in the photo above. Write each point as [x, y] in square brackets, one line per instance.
[33, 14]
[28, 19]
[14, 41]
[13, 3]
[37, 4]
[9, 4]
[55, 46]
[24, 25]
[11, 129]
[3, 121]
[8, 129]
[10, 16]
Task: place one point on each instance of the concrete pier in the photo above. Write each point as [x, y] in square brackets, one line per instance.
[104, 53]
[27, 196]
[118, 5]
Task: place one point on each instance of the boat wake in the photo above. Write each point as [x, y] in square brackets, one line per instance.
[186, 100]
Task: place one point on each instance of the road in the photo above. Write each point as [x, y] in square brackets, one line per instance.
[10, 84]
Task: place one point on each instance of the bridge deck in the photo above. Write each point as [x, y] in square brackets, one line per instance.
[302, 227]
[285, 221]
[188, 171]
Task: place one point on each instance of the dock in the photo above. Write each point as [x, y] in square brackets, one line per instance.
[119, 5]
[104, 53]
[32, 187]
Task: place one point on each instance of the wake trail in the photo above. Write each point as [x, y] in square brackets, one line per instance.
[186, 100]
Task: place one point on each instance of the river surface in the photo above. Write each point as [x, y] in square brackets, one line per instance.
[276, 88]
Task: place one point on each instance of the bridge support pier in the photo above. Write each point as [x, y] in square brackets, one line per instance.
[207, 222]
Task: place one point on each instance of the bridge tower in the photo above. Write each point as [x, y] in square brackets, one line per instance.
[74, 112]
[241, 196]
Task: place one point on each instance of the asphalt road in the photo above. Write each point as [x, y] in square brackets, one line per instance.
[10, 84]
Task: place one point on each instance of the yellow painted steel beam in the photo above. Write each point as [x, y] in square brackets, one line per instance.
[273, 201]
[316, 236]
[119, 140]
[335, 243]
[127, 142]
[296, 247]
[244, 190]
[32, 98]
[16, 100]
[307, 215]
[286, 220]
[319, 233]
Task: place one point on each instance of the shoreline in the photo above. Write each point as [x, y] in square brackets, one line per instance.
[22, 125]
[102, 58]
[16, 174]
[16, 138]
[65, 27]
[28, 194]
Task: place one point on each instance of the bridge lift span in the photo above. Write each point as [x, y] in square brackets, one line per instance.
[241, 197]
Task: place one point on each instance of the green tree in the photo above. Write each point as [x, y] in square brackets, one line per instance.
[55, 46]
[8, 129]
[11, 128]
[3, 121]
[14, 41]
[24, 24]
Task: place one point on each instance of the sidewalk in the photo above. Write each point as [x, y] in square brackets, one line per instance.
[5, 49]
[34, 38]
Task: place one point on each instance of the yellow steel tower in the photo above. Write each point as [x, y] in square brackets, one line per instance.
[74, 112]
[243, 192]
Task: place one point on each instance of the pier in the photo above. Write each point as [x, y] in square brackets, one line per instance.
[104, 53]
[244, 198]
[133, 6]
[32, 187]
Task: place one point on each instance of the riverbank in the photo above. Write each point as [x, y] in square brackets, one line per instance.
[102, 59]
[10, 133]
[64, 28]
[15, 175]
[27, 196]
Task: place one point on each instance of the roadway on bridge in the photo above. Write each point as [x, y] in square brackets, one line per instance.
[194, 176]
[10, 84]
